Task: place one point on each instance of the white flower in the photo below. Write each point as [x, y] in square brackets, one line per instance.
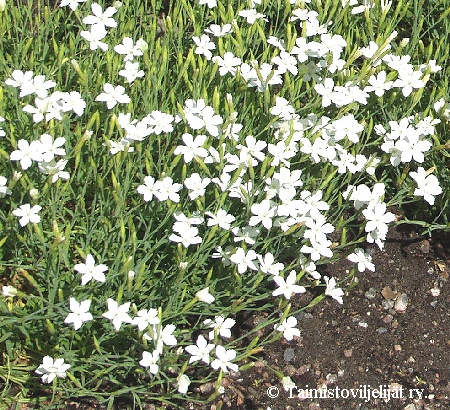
[162, 337]
[333, 291]
[49, 369]
[166, 189]
[145, 318]
[118, 313]
[408, 81]
[224, 358]
[95, 37]
[90, 271]
[204, 45]
[187, 235]
[268, 265]
[4, 190]
[263, 213]
[73, 4]
[80, 313]
[211, 3]
[183, 383]
[251, 15]
[325, 89]
[38, 85]
[100, 18]
[148, 189]
[228, 64]
[129, 49]
[159, 122]
[377, 217]
[218, 31]
[193, 147]
[222, 218]
[244, 260]
[220, 325]
[27, 214]
[288, 328]
[196, 185]
[363, 260]
[19, 78]
[204, 296]
[55, 169]
[150, 360]
[131, 71]
[287, 287]
[72, 101]
[113, 95]
[27, 153]
[378, 84]
[427, 185]
[200, 351]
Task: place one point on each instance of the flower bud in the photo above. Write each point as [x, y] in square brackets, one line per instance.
[9, 291]
[204, 296]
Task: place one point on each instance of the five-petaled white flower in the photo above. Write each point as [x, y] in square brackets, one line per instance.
[145, 318]
[200, 351]
[332, 290]
[27, 214]
[363, 260]
[287, 287]
[49, 369]
[26, 153]
[220, 325]
[288, 327]
[150, 360]
[80, 313]
[223, 360]
[118, 313]
[113, 95]
[90, 271]
[101, 18]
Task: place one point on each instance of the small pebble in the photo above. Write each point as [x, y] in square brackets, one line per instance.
[289, 354]
[425, 246]
[371, 293]
[303, 369]
[387, 304]
[331, 378]
[435, 292]
[388, 293]
[381, 330]
[303, 315]
[388, 319]
[401, 303]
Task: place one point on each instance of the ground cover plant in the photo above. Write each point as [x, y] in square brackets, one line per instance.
[168, 166]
